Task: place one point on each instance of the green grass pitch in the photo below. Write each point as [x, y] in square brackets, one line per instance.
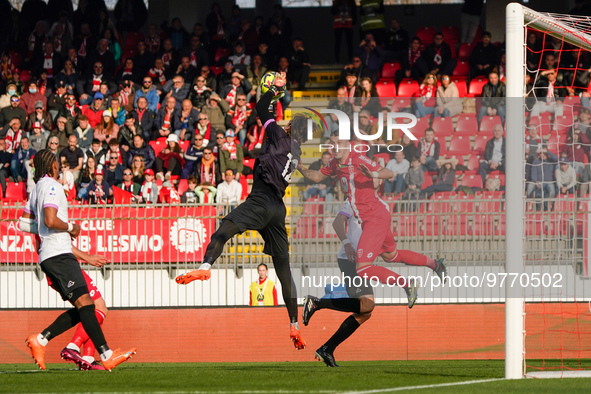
[302, 377]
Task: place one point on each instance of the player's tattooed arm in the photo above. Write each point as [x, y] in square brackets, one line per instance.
[313, 175]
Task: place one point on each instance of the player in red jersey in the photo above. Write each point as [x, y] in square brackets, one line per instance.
[356, 172]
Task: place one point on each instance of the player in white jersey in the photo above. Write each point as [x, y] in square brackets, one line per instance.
[361, 300]
[49, 207]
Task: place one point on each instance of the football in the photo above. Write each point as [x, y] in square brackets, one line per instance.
[267, 81]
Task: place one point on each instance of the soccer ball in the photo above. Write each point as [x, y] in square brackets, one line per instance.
[267, 81]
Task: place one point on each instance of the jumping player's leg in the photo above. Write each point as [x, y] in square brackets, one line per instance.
[409, 257]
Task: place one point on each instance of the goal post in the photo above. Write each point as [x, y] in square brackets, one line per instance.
[571, 226]
[514, 186]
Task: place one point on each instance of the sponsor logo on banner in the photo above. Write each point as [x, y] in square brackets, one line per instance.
[187, 235]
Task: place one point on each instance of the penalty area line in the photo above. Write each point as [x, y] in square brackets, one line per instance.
[426, 386]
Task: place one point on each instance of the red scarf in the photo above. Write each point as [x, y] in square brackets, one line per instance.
[258, 137]
[351, 93]
[157, 73]
[71, 109]
[230, 147]
[82, 49]
[128, 188]
[166, 125]
[146, 190]
[365, 99]
[426, 147]
[96, 82]
[208, 171]
[204, 132]
[193, 59]
[140, 114]
[239, 116]
[231, 97]
[413, 56]
[427, 95]
[124, 97]
[13, 140]
[127, 71]
[166, 59]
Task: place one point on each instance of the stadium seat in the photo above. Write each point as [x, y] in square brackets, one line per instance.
[182, 187]
[451, 33]
[555, 142]
[476, 85]
[221, 53]
[306, 228]
[483, 225]
[386, 90]
[459, 158]
[489, 203]
[400, 103]
[459, 145]
[419, 129]
[158, 146]
[498, 175]
[462, 68]
[132, 39]
[16, 191]
[389, 70]
[249, 163]
[431, 226]
[480, 144]
[457, 225]
[407, 88]
[314, 206]
[562, 205]
[488, 123]
[461, 85]
[473, 164]
[381, 158]
[440, 202]
[427, 182]
[407, 226]
[16, 58]
[442, 145]
[443, 127]
[184, 145]
[465, 51]
[216, 69]
[244, 184]
[26, 75]
[563, 124]
[467, 124]
[471, 181]
[464, 203]
[426, 33]
[534, 225]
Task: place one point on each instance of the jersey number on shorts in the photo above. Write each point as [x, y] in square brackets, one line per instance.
[287, 171]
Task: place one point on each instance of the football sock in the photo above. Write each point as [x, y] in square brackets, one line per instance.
[63, 323]
[106, 355]
[92, 327]
[340, 304]
[287, 286]
[80, 336]
[412, 258]
[383, 274]
[42, 340]
[216, 245]
[88, 359]
[346, 329]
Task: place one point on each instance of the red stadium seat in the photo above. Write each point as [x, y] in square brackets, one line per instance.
[467, 124]
[431, 226]
[451, 33]
[427, 182]
[459, 145]
[25, 75]
[480, 144]
[462, 68]
[306, 228]
[471, 181]
[184, 145]
[400, 102]
[426, 33]
[216, 70]
[221, 53]
[132, 39]
[464, 203]
[490, 202]
[483, 225]
[488, 123]
[465, 51]
[440, 202]
[564, 123]
[555, 142]
[498, 175]
[476, 86]
[473, 164]
[534, 225]
[457, 225]
[459, 158]
[389, 70]
[419, 129]
[16, 191]
[407, 88]
[407, 226]
[386, 90]
[461, 85]
[442, 145]
[158, 146]
[244, 184]
[443, 127]
[182, 187]
[381, 158]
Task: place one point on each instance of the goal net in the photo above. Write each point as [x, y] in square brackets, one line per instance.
[548, 324]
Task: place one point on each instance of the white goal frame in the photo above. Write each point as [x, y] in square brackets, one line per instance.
[516, 17]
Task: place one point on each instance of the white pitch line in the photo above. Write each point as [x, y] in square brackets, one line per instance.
[427, 386]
